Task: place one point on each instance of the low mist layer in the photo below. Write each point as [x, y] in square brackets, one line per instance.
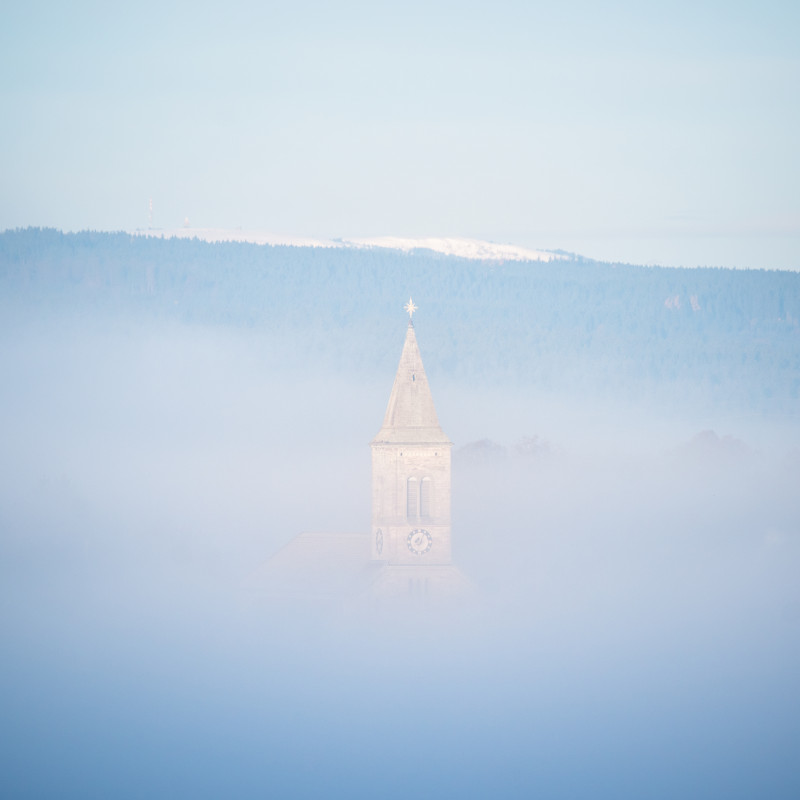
[634, 630]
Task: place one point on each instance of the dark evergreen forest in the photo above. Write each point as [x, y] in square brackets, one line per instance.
[707, 337]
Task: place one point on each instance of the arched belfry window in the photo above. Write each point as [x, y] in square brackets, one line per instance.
[412, 498]
[425, 498]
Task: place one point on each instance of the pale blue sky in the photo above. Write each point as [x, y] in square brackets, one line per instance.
[648, 132]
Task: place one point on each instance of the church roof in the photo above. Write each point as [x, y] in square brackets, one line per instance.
[325, 568]
[411, 416]
[316, 565]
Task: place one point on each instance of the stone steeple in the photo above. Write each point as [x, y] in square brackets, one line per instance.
[411, 473]
[411, 416]
[409, 549]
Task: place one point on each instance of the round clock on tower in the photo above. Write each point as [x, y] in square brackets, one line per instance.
[411, 470]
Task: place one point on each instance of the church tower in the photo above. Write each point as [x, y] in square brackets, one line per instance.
[406, 557]
[411, 473]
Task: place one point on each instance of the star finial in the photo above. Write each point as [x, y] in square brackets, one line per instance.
[411, 308]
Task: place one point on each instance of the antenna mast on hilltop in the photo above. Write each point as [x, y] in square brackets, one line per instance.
[150, 216]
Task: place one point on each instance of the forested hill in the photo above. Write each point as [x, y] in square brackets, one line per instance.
[703, 336]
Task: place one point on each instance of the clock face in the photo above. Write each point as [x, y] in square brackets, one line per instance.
[379, 541]
[419, 541]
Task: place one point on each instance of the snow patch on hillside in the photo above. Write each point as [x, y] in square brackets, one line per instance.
[474, 249]
[464, 248]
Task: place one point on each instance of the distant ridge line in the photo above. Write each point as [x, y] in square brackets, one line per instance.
[473, 249]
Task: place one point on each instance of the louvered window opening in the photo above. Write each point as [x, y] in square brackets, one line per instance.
[411, 498]
[425, 498]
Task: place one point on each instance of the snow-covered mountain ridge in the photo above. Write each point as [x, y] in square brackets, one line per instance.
[464, 248]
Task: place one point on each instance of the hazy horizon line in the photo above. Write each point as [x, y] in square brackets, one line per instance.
[467, 247]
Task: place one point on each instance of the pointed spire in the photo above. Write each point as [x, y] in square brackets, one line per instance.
[411, 415]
